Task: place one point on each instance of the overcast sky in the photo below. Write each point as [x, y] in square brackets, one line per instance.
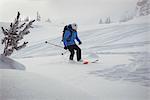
[65, 9]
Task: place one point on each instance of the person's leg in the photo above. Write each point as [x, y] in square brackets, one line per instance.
[70, 48]
[78, 53]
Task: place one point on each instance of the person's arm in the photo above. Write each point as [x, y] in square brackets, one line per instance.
[77, 38]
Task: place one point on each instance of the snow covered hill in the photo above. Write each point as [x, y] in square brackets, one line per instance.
[122, 72]
[21, 85]
[124, 38]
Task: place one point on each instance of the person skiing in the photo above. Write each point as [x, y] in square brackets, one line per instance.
[69, 37]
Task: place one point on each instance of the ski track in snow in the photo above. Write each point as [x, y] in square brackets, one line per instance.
[101, 39]
[137, 71]
[123, 45]
[116, 34]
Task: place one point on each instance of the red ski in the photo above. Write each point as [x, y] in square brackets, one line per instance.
[85, 62]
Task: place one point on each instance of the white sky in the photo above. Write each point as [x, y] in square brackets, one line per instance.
[65, 9]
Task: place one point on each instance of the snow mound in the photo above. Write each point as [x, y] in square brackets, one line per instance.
[21, 85]
[7, 63]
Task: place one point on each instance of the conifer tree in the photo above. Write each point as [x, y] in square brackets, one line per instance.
[14, 34]
[143, 7]
[100, 21]
[38, 17]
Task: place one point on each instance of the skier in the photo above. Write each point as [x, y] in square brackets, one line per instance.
[69, 36]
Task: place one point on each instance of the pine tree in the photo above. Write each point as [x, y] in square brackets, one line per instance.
[108, 21]
[100, 21]
[126, 17]
[143, 7]
[14, 34]
[48, 20]
[26, 19]
[38, 17]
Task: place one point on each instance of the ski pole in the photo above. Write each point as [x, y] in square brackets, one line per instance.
[54, 44]
[57, 46]
[64, 52]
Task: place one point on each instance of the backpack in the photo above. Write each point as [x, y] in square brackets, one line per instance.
[69, 28]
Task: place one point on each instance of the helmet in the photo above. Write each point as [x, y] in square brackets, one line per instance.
[74, 26]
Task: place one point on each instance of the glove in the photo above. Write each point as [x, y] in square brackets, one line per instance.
[80, 43]
[65, 48]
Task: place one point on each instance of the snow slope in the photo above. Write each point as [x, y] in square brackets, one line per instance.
[7, 63]
[122, 72]
[89, 77]
[20, 85]
[96, 39]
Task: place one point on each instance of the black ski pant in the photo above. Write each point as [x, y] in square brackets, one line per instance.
[72, 49]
